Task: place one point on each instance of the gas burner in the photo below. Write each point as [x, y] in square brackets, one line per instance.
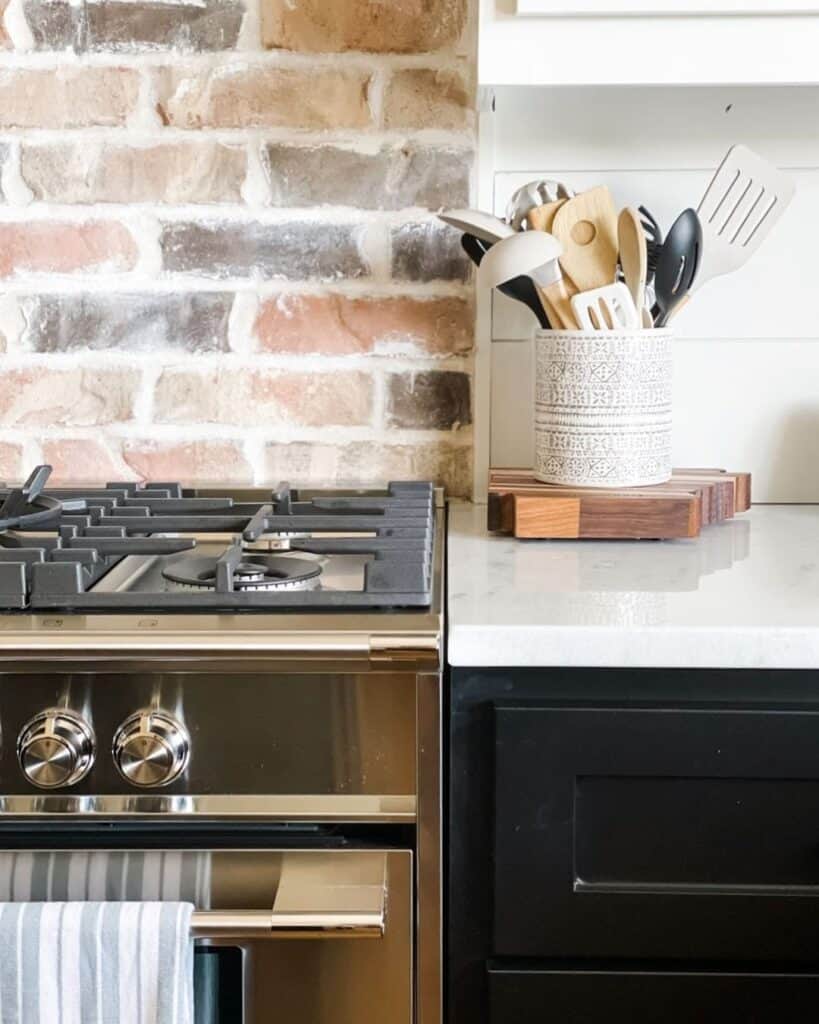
[163, 547]
[253, 573]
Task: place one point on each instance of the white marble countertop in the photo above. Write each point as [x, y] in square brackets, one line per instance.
[744, 594]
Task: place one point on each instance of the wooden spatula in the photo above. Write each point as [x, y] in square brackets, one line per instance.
[586, 226]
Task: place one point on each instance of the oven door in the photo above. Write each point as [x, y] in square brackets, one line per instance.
[297, 933]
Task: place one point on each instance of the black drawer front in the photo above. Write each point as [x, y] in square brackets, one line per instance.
[656, 833]
[650, 997]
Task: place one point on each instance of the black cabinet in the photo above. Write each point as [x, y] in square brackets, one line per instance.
[650, 997]
[656, 833]
[621, 842]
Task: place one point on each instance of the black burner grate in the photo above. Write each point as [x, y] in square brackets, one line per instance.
[56, 544]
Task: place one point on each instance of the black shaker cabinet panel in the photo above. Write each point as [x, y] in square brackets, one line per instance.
[662, 833]
[630, 846]
[650, 997]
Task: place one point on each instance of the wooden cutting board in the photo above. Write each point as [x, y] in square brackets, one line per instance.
[523, 506]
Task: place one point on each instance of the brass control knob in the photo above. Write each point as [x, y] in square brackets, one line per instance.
[151, 748]
[56, 748]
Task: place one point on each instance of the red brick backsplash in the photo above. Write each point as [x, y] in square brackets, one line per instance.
[341, 325]
[238, 95]
[398, 26]
[67, 97]
[219, 257]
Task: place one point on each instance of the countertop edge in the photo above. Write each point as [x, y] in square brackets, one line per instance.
[656, 647]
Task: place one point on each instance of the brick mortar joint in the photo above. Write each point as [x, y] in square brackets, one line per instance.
[275, 433]
[229, 213]
[203, 61]
[67, 285]
[365, 140]
[204, 364]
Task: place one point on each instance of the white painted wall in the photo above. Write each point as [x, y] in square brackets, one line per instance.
[747, 354]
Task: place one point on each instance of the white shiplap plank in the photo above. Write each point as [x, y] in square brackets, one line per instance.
[645, 50]
[591, 128]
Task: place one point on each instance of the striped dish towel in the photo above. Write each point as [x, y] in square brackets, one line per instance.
[177, 875]
[96, 963]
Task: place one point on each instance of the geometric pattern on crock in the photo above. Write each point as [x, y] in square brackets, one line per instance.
[592, 443]
[601, 472]
[603, 408]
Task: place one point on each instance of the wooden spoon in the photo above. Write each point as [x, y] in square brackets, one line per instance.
[586, 226]
[633, 255]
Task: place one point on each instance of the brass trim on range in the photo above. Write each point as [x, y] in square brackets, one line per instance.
[318, 896]
[429, 888]
[299, 807]
[247, 925]
[217, 651]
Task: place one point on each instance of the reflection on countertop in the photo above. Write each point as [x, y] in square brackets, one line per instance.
[743, 594]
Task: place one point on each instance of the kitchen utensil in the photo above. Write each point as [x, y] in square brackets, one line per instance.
[541, 218]
[534, 253]
[586, 227]
[522, 288]
[477, 223]
[535, 193]
[606, 309]
[654, 240]
[677, 265]
[633, 248]
[745, 199]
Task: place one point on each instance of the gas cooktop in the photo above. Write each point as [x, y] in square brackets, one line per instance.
[159, 546]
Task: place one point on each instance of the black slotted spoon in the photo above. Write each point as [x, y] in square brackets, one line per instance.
[677, 264]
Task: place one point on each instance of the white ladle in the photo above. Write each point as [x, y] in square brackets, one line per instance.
[475, 222]
[534, 254]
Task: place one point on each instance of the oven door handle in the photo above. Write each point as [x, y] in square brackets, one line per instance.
[324, 896]
[268, 924]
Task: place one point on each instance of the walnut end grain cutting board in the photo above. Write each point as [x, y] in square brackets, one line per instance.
[523, 506]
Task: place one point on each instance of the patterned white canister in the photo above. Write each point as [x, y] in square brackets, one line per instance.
[603, 407]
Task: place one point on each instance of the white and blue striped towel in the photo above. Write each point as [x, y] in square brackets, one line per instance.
[96, 963]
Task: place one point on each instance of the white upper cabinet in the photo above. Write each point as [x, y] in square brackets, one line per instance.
[649, 42]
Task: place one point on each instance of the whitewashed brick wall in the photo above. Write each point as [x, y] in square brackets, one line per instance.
[218, 256]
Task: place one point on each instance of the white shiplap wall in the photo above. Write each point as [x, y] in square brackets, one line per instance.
[747, 354]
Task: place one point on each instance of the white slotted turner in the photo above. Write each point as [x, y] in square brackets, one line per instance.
[745, 199]
[610, 308]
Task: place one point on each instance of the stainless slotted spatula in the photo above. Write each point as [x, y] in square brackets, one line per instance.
[746, 197]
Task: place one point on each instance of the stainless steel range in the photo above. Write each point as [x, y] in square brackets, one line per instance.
[251, 679]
